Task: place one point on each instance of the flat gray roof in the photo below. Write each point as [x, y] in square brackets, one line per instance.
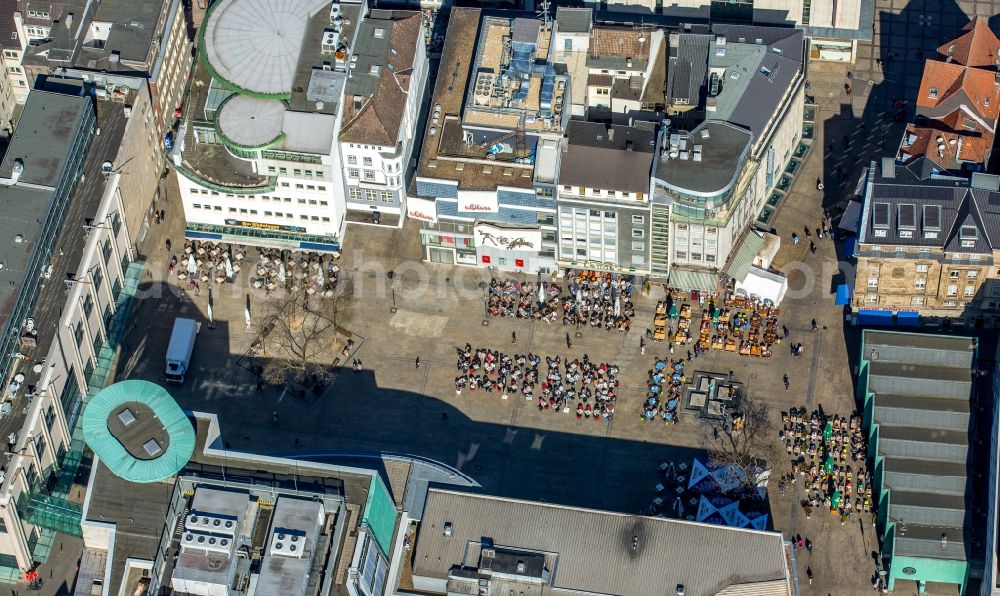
[919, 340]
[597, 551]
[42, 141]
[44, 136]
[722, 154]
[138, 511]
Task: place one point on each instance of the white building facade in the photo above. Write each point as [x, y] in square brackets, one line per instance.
[382, 102]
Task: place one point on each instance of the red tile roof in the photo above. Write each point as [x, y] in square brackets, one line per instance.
[948, 83]
[949, 149]
[977, 46]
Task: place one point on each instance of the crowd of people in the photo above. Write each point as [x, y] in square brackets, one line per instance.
[830, 453]
[664, 389]
[597, 300]
[591, 386]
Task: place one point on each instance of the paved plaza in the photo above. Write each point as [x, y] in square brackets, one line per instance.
[426, 311]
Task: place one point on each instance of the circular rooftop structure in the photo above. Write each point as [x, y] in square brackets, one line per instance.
[247, 122]
[138, 431]
[254, 45]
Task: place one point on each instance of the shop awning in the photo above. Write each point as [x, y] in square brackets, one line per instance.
[907, 319]
[689, 279]
[843, 295]
[851, 218]
[875, 317]
[743, 258]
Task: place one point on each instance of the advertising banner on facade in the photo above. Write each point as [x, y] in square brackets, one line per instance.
[421, 209]
[478, 202]
[264, 226]
[508, 238]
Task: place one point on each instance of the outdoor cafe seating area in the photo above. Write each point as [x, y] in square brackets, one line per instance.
[741, 326]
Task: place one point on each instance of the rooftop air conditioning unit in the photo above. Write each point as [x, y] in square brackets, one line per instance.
[331, 40]
[286, 543]
[335, 16]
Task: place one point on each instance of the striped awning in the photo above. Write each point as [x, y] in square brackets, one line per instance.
[690, 279]
[743, 258]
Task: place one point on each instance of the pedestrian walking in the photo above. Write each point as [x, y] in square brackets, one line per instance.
[784, 329]
[809, 546]
[807, 231]
[878, 62]
[732, 376]
[260, 385]
[642, 346]
[812, 247]
[569, 342]
[274, 416]
[513, 337]
[417, 362]
[787, 383]
[809, 574]
[795, 238]
[167, 244]
[814, 325]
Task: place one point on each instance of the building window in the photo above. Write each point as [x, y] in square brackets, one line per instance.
[637, 233]
[296, 172]
[923, 268]
[970, 290]
[682, 254]
[972, 274]
[367, 161]
[871, 298]
[872, 283]
[952, 290]
[917, 300]
[949, 304]
[370, 175]
[920, 283]
[353, 173]
[638, 220]
[98, 276]
[370, 194]
[953, 275]
[638, 246]
[88, 306]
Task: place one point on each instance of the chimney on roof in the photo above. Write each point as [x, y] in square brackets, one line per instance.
[889, 167]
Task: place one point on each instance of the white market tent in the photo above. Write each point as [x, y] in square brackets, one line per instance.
[763, 284]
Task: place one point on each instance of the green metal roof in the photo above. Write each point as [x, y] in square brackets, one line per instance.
[113, 453]
[690, 279]
[740, 264]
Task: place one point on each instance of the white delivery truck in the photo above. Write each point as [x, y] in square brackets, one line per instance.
[180, 348]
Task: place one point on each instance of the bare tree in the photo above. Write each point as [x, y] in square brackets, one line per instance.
[302, 342]
[744, 439]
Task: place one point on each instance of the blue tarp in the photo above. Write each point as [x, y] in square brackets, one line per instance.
[849, 243]
[907, 319]
[875, 317]
[843, 295]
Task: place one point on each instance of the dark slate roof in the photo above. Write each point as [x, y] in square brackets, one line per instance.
[574, 20]
[764, 92]
[687, 67]
[914, 185]
[609, 158]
